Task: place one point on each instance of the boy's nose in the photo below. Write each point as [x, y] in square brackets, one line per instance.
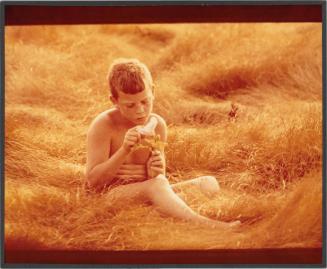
[140, 109]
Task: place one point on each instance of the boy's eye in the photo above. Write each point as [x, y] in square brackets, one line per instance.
[145, 102]
[130, 105]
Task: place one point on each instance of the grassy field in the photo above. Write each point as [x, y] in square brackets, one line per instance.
[243, 102]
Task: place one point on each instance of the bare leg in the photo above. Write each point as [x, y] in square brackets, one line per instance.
[160, 193]
[207, 184]
[168, 202]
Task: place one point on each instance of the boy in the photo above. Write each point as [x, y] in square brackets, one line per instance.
[111, 160]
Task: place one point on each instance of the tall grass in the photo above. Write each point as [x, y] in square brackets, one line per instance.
[267, 156]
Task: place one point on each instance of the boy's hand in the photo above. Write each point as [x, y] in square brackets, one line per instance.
[155, 164]
[132, 171]
[132, 137]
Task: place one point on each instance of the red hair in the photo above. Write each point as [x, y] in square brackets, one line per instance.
[129, 76]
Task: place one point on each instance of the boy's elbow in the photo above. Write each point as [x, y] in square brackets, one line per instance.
[95, 181]
[90, 180]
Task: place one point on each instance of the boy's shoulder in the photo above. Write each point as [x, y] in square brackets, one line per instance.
[103, 121]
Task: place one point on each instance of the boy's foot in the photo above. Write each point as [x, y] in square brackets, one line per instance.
[234, 224]
[223, 225]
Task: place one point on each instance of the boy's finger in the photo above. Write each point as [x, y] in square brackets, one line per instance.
[129, 137]
[157, 158]
[130, 172]
[127, 177]
[131, 141]
[136, 135]
[156, 155]
[132, 167]
[157, 164]
[133, 133]
[156, 169]
[137, 176]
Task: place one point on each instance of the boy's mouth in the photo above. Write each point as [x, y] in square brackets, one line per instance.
[141, 118]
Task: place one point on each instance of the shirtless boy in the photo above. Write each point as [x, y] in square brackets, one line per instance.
[111, 159]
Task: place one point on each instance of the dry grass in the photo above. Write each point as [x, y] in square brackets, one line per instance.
[267, 155]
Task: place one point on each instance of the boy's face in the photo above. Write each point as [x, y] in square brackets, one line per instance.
[135, 107]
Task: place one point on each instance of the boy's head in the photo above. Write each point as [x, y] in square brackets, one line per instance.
[131, 88]
[129, 76]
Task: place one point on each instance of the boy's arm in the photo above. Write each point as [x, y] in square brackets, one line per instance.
[100, 170]
[157, 163]
[162, 131]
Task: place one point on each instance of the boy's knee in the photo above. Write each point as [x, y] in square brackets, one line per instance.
[209, 185]
[210, 180]
[155, 184]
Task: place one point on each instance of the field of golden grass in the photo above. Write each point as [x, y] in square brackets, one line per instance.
[267, 155]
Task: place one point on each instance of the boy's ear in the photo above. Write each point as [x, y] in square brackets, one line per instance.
[113, 99]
